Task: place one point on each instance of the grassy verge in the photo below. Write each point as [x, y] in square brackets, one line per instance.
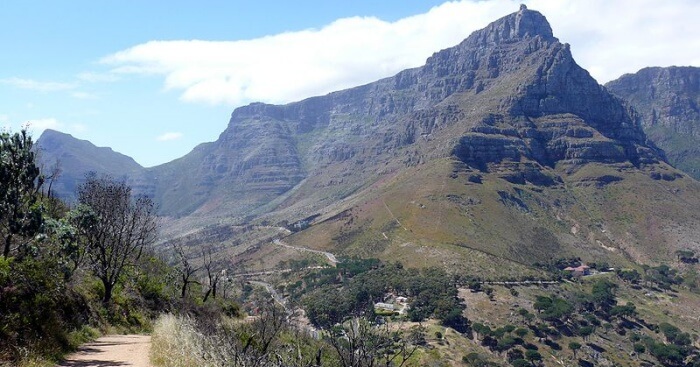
[176, 343]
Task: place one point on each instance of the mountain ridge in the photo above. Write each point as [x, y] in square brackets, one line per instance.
[501, 148]
[74, 158]
[667, 100]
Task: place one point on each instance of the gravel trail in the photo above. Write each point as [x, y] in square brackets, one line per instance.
[112, 351]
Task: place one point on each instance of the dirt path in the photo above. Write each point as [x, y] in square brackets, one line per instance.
[112, 351]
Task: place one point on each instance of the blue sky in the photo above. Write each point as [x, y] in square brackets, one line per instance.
[152, 79]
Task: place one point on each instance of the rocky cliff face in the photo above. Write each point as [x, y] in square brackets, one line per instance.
[501, 147]
[668, 100]
[509, 92]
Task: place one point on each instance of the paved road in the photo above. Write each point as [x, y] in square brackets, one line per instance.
[112, 351]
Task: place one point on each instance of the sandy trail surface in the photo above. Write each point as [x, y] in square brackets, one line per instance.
[112, 351]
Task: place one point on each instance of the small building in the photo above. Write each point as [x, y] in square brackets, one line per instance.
[384, 306]
[579, 271]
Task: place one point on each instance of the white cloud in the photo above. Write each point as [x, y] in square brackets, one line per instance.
[169, 136]
[93, 77]
[608, 38]
[83, 95]
[35, 85]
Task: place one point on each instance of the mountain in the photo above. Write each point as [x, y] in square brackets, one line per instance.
[496, 154]
[668, 100]
[75, 158]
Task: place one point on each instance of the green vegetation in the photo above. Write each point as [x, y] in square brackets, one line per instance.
[333, 295]
[65, 273]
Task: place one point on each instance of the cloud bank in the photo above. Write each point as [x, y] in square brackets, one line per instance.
[608, 38]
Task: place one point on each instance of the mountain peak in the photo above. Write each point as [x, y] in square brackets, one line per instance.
[515, 26]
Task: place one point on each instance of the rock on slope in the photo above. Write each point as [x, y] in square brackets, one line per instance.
[668, 100]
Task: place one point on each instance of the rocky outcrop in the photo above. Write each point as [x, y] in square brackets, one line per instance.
[668, 100]
[509, 99]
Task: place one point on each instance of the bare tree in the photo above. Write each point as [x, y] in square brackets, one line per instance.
[124, 226]
[185, 268]
[213, 270]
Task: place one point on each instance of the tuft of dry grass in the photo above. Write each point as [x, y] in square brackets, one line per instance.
[175, 342]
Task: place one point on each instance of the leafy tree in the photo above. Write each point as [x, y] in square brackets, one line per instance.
[630, 276]
[124, 227]
[553, 309]
[521, 332]
[20, 182]
[625, 311]
[574, 346]
[533, 356]
[603, 295]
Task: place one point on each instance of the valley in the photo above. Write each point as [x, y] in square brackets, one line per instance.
[524, 214]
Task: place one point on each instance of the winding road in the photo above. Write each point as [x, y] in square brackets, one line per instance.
[328, 255]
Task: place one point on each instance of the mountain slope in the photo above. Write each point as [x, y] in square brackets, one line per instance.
[498, 153]
[75, 158]
[668, 100]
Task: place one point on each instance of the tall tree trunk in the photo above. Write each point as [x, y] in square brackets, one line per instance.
[8, 245]
[108, 291]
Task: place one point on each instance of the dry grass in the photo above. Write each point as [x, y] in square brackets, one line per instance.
[176, 343]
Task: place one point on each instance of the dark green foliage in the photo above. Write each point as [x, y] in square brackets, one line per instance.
[326, 307]
[20, 182]
[505, 343]
[574, 346]
[44, 292]
[602, 297]
[533, 355]
[515, 354]
[329, 298]
[481, 330]
[674, 334]
[625, 311]
[36, 308]
[629, 275]
[553, 309]
[662, 276]
[669, 355]
[475, 360]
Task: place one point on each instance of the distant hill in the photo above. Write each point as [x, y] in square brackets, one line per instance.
[668, 100]
[496, 154]
[75, 158]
